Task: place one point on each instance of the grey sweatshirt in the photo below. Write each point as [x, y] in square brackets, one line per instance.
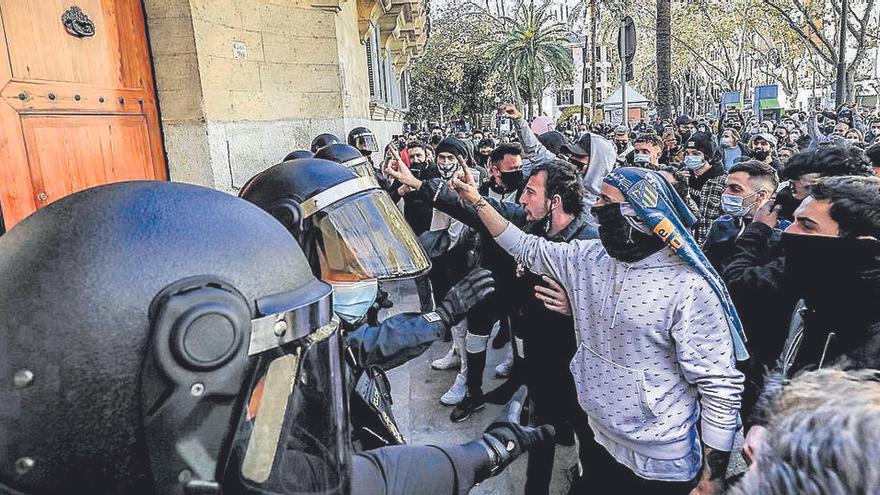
[655, 353]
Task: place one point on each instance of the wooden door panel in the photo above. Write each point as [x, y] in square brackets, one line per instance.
[69, 153]
[40, 47]
[74, 112]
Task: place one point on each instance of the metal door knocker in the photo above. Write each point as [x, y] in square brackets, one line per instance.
[77, 23]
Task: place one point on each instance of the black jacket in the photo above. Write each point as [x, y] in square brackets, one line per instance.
[753, 274]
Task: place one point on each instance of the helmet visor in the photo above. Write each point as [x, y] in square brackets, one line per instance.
[361, 166]
[365, 142]
[365, 236]
[292, 436]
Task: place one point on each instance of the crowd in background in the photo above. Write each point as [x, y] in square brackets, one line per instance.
[650, 278]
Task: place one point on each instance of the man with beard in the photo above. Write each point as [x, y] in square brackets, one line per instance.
[658, 338]
[551, 207]
[763, 148]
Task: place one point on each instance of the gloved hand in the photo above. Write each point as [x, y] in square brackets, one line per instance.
[506, 439]
[462, 296]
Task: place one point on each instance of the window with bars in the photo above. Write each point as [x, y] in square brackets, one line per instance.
[564, 97]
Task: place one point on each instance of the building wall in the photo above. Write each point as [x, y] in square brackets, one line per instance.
[241, 83]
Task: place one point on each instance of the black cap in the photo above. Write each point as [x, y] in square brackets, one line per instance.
[580, 148]
[683, 120]
[452, 145]
[702, 142]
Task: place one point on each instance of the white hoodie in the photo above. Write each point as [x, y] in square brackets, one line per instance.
[655, 353]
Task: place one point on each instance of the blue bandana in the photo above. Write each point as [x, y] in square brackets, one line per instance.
[654, 199]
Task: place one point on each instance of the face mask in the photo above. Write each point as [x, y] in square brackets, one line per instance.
[733, 205]
[795, 137]
[512, 180]
[851, 141]
[620, 239]
[832, 274]
[447, 171]
[621, 145]
[351, 301]
[685, 135]
[727, 142]
[760, 155]
[641, 159]
[693, 162]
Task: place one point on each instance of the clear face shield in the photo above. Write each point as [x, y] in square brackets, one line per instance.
[361, 235]
[361, 166]
[365, 141]
[292, 436]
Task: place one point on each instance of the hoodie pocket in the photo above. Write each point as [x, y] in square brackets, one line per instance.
[613, 395]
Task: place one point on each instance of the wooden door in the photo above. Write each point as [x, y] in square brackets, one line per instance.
[77, 100]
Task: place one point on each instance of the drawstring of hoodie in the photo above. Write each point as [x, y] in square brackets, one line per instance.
[620, 296]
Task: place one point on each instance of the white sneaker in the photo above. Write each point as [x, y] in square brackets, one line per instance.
[447, 362]
[503, 370]
[456, 392]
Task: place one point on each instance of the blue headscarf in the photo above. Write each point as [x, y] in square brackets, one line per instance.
[654, 199]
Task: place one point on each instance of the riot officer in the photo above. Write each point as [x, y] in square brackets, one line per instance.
[354, 238]
[322, 140]
[163, 338]
[364, 140]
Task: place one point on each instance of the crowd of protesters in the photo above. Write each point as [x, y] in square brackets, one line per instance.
[650, 278]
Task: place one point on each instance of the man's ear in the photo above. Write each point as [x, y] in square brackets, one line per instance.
[556, 201]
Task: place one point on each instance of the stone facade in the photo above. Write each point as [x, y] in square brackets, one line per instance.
[241, 83]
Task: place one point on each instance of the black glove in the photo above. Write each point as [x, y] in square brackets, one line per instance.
[462, 296]
[505, 439]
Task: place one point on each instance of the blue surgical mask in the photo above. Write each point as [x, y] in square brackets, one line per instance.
[693, 162]
[351, 300]
[733, 205]
[726, 142]
[640, 158]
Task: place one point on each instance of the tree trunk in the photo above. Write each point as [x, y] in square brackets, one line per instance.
[664, 59]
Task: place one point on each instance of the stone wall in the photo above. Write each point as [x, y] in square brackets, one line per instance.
[241, 83]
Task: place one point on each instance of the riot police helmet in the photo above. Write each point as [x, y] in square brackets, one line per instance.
[322, 140]
[349, 156]
[364, 140]
[166, 338]
[347, 225]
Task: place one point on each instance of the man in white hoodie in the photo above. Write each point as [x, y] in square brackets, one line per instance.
[655, 369]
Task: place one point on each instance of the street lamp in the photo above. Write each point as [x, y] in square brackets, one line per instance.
[419, 108]
[497, 117]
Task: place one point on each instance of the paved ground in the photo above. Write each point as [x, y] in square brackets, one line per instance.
[417, 390]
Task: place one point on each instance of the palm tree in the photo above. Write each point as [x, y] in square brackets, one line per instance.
[664, 56]
[530, 50]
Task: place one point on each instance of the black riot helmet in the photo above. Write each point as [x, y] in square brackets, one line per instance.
[322, 140]
[166, 338]
[293, 155]
[364, 140]
[347, 225]
[349, 156]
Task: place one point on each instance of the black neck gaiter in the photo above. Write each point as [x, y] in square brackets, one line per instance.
[620, 239]
[837, 277]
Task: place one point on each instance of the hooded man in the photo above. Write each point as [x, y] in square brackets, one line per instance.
[595, 157]
[659, 337]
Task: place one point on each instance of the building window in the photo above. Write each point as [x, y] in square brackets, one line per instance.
[564, 97]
